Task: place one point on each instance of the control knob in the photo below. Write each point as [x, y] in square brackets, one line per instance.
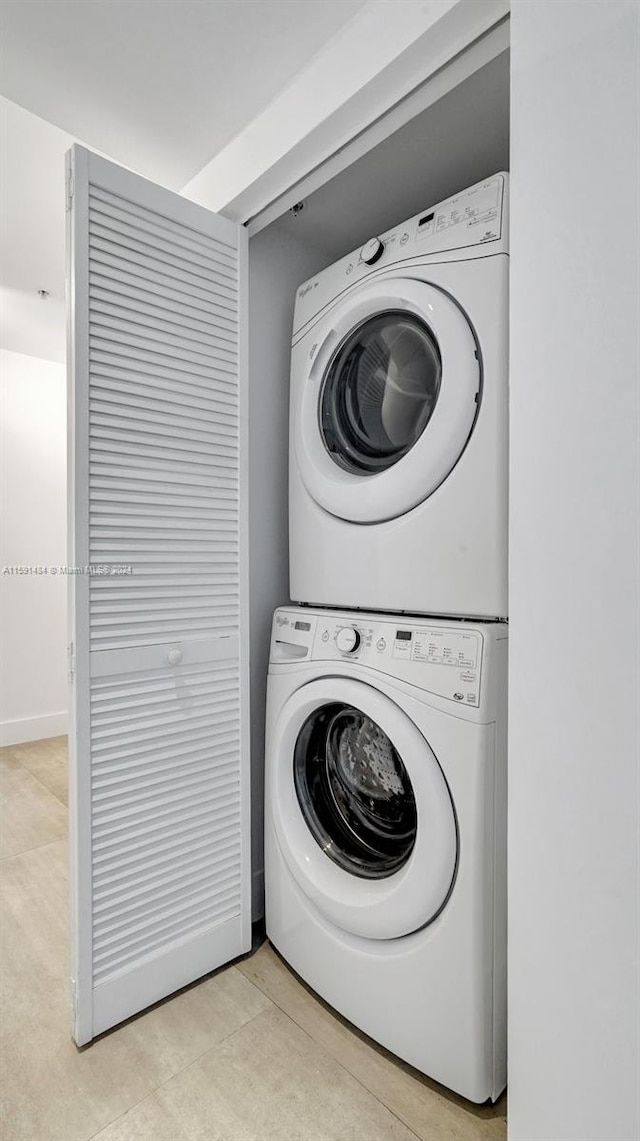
[372, 251]
[347, 640]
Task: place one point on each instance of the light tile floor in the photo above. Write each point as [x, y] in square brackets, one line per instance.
[247, 1054]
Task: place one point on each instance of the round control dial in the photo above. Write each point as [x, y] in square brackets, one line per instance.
[372, 251]
[347, 640]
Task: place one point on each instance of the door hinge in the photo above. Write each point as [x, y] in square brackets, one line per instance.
[69, 190]
[71, 662]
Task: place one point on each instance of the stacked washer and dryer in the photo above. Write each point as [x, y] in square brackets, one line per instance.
[385, 821]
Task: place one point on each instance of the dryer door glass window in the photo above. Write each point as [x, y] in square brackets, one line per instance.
[380, 391]
[354, 792]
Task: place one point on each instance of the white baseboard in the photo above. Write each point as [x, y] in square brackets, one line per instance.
[33, 728]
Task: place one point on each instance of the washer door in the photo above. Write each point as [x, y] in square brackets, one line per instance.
[361, 810]
[389, 402]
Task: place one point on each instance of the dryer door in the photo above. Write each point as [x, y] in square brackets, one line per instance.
[361, 809]
[389, 401]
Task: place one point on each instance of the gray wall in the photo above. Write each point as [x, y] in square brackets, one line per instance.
[277, 264]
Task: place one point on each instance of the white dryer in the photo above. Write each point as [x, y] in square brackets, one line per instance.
[399, 416]
[385, 844]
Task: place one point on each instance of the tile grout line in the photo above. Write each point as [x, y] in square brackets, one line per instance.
[26, 769]
[353, 1076]
[339, 1063]
[184, 1068]
[36, 848]
[232, 1034]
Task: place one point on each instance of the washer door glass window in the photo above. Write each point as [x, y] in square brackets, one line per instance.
[380, 392]
[354, 792]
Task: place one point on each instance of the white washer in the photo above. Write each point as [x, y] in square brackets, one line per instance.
[399, 415]
[386, 831]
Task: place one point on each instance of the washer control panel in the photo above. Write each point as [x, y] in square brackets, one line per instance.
[440, 657]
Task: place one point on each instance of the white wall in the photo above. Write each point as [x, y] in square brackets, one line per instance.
[33, 686]
[574, 1059]
[277, 265]
[32, 233]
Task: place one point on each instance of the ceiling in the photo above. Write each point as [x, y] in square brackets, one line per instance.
[160, 85]
[157, 85]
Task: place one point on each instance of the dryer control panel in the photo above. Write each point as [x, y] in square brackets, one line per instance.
[472, 223]
[436, 656]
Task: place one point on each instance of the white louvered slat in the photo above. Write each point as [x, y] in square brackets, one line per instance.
[132, 414]
[138, 258]
[160, 294]
[115, 302]
[160, 225]
[107, 475]
[126, 314]
[116, 234]
[189, 367]
[193, 376]
[161, 806]
[165, 383]
[118, 882]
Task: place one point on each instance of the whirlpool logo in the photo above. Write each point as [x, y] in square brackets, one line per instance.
[307, 289]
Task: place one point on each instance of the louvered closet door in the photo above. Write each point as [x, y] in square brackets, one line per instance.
[160, 881]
